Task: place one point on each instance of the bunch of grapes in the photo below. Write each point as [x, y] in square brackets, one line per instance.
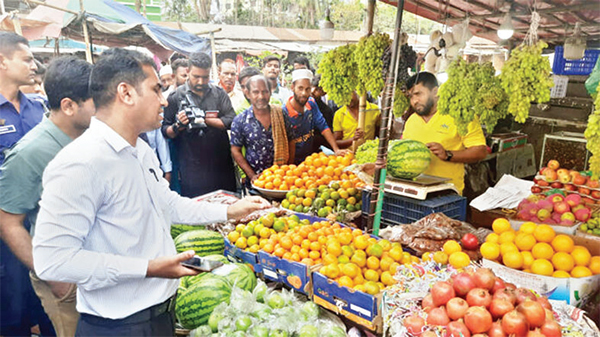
[400, 101]
[526, 78]
[368, 57]
[491, 102]
[338, 71]
[592, 134]
[406, 60]
[457, 95]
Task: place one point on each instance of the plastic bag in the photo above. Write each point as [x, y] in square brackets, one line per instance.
[591, 84]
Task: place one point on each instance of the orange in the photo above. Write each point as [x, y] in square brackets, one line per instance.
[287, 256]
[542, 250]
[305, 244]
[563, 243]
[507, 247]
[241, 243]
[359, 279]
[334, 248]
[286, 242]
[385, 263]
[371, 275]
[371, 288]
[595, 265]
[458, 260]
[265, 233]
[233, 236]
[527, 227]
[563, 261]
[303, 253]
[542, 267]
[492, 237]
[500, 225]
[268, 248]
[387, 278]
[440, 257]
[360, 242]
[373, 263]
[375, 250]
[385, 244]
[345, 238]
[329, 259]
[396, 253]
[359, 259]
[525, 241]
[561, 274]
[348, 251]
[527, 259]
[334, 271]
[490, 250]
[544, 233]
[315, 246]
[314, 255]
[581, 271]
[507, 236]
[393, 267]
[350, 270]
[295, 249]
[451, 246]
[308, 261]
[581, 255]
[513, 260]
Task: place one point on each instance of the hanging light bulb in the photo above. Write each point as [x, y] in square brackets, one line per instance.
[506, 30]
[575, 45]
[326, 27]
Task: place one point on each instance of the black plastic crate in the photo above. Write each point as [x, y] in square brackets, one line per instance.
[402, 210]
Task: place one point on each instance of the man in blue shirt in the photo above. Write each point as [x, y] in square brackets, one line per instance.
[304, 117]
[20, 308]
[18, 114]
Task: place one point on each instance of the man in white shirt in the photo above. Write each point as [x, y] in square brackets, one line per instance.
[105, 213]
[227, 81]
[272, 69]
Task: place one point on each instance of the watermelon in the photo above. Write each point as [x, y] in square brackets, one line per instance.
[195, 304]
[202, 241]
[407, 159]
[238, 274]
[177, 229]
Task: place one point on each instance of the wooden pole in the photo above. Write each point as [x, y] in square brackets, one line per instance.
[86, 34]
[215, 74]
[52, 6]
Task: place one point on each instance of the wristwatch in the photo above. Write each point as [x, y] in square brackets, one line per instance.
[449, 155]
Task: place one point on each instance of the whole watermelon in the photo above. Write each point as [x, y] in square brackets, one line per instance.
[407, 159]
[238, 274]
[177, 229]
[202, 241]
[195, 304]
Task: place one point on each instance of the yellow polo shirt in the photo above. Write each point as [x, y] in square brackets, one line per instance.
[441, 129]
[345, 122]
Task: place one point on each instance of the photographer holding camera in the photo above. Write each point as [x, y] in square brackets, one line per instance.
[197, 119]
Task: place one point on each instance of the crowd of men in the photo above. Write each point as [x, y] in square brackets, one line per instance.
[99, 161]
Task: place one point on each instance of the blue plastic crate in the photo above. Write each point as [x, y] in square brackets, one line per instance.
[583, 66]
[401, 210]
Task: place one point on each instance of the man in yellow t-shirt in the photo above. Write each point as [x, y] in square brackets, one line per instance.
[450, 150]
[345, 123]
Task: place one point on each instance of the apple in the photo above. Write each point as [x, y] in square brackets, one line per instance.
[553, 164]
[536, 189]
[584, 190]
[568, 216]
[564, 178]
[593, 184]
[543, 183]
[556, 197]
[562, 171]
[596, 194]
[555, 217]
[556, 184]
[550, 175]
[545, 204]
[583, 214]
[574, 174]
[588, 201]
[579, 179]
[543, 214]
[577, 207]
[570, 187]
[561, 207]
[573, 200]
[534, 198]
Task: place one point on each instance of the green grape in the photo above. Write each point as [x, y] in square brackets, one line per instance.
[400, 101]
[338, 71]
[592, 134]
[368, 56]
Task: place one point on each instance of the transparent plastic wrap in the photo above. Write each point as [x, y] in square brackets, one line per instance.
[278, 211]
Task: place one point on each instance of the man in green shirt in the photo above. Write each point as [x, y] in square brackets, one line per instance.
[71, 109]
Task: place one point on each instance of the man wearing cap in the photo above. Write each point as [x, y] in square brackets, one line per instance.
[167, 80]
[303, 117]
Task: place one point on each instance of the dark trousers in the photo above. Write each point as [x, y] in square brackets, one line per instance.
[158, 320]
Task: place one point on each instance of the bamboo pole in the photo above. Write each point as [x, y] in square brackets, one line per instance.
[86, 34]
[215, 74]
[376, 200]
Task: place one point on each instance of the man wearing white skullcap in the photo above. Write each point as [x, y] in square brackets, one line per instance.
[304, 117]
[166, 79]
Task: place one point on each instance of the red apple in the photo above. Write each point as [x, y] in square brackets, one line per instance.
[469, 241]
[596, 194]
[553, 164]
[583, 214]
[570, 187]
[564, 178]
[543, 183]
[588, 201]
[584, 190]
[556, 184]
[573, 200]
[550, 175]
[556, 197]
[578, 179]
[543, 214]
[561, 207]
[536, 189]
[593, 183]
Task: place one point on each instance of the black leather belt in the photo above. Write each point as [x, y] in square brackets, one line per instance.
[139, 317]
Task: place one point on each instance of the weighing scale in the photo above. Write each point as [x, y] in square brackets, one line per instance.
[419, 187]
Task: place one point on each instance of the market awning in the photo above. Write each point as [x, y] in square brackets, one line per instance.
[115, 25]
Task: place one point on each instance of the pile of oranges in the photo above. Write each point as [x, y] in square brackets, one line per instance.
[539, 250]
[316, 170]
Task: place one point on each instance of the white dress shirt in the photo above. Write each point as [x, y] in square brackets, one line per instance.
[104, 213]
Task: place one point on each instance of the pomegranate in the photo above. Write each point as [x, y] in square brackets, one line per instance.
[442, 292]
[544, 302]
[457, 329]
[510, 285]
[506, 294]
[414, 324]
[551, 329]
[498, 284]
[478, 320]
[427, 303]
[462, 283]
[515, 323]
[534, 312]
[479, 298]
[496, 330]
[438, 316]
[523, 294]
[500, 306]
[469, 241]
[535, 333]
[456, 308]
[484, 278]
[549, 315]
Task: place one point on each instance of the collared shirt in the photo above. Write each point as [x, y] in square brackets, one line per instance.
[245, 105]
[237, 98]
[158, 143]
[15, 124]
[344, 121]
[247, 131]
[105, 212]
[281, 94]
[21, 173]
[302, 126]
[442, 129]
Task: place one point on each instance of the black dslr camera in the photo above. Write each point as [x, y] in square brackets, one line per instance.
[195, 115]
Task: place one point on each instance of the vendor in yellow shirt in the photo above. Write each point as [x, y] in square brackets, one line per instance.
[345, 123]
[450, 151]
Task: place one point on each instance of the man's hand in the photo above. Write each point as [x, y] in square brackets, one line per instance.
[438, 150]
[170, 266]
[182, 117]
[358, 134]
[340, 152]
[246, 206]
[168, 176]
[59, 289]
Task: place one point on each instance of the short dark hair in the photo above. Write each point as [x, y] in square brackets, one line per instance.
[427, 79]
[9, 42]
[117, 65]
[180, 63]
[247, 72]
[270, 58]
[257, 78]
[302, 60]
[200, 60]
[316, 81]
[67, 77]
